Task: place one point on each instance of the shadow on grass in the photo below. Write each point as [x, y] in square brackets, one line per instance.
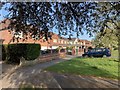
[81, 68]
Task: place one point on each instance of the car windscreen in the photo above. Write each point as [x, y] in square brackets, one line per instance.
[99, 50]
[93, 50]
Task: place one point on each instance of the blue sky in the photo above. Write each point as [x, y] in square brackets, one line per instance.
[84, 36]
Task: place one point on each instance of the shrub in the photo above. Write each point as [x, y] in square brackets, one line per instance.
[27, 50]
[15, 52]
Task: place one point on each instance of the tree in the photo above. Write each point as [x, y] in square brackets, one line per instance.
[38, 18]
[108, 40]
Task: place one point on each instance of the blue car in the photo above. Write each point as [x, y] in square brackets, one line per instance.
[97, 52]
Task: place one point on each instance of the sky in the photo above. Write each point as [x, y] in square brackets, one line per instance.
[84, 36]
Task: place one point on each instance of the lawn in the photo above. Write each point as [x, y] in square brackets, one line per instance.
[101, 67]
[114, 54]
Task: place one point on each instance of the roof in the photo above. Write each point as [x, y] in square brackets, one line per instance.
[5, 22]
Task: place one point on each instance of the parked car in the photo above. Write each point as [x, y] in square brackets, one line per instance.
[97, 52]
[48, 51]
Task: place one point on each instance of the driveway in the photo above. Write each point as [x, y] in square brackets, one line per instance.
[7, 68]
[34, 76]
[9, 71]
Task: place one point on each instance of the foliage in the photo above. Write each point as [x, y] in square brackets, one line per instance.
[108, 40]
[38, 18]
[15, 52]
[70, 48]
[59, 48]
[33, 51]
[89, 48]
[101, 67]
[27, 50]
[115, 54]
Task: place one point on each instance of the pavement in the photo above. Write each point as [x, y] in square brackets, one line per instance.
[34, 76]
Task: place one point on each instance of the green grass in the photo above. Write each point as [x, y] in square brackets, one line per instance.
[114, 54]
[101, 67]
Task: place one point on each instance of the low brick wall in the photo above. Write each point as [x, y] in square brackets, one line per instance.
[49, 57]
[80, 53]
[42, 58]
[62, 54]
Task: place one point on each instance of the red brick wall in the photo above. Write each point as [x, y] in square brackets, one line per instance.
[49, 57]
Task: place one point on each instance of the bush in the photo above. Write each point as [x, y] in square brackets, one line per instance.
[28, 51]
[69, 48]
[15, 52]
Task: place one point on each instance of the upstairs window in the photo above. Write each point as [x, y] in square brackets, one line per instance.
[55, 40]
[18, 34]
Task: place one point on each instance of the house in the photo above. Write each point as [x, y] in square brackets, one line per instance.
[56, 41]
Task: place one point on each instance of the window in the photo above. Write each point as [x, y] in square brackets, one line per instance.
[98, 50]
[55, 40]
[58, 41]
[18, 34]
[73, 42]
[37, 37]
[81, 43]
[70, 42]
[93, 50]
[62, 41]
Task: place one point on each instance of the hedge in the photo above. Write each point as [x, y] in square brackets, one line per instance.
[33, 51]
[29, 51]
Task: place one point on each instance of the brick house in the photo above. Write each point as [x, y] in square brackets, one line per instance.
[55, 42]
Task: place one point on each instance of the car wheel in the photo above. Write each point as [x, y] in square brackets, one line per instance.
[104, 56]
[91, 56]
[86, 56]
